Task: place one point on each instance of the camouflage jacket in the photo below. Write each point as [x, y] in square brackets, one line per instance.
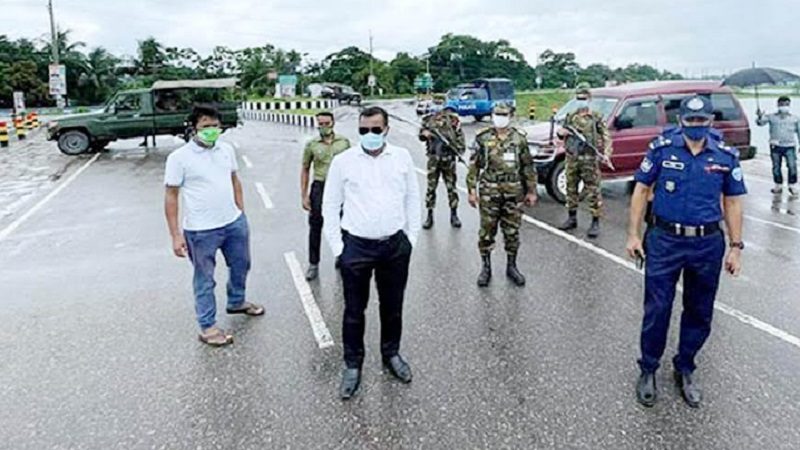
[502, 166]
[594, 128]
[449, 126]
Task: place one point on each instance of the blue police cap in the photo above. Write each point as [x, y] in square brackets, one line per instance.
[696, 106]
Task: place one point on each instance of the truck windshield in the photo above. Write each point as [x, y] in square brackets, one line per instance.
[603, 105]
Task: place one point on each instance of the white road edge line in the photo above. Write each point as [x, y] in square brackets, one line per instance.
[262, 192]
[247, 162]
[318, 327]
[722, 307]
[15, 224]
[774, 224]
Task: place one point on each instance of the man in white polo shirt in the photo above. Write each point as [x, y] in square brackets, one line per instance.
[203, 172]
[375, 185]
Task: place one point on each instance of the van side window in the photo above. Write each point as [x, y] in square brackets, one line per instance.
[638, 114]
[725, 108]
[672, 109]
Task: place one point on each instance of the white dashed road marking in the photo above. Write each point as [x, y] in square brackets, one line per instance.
[318, 327]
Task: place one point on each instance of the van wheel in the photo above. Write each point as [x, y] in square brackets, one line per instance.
[479, 118]
[557, 183]
[73, 143]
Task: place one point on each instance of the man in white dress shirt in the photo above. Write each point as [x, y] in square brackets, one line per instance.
[375, 185]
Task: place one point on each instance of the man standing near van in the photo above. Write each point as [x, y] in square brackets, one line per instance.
[783, 128]
[582, 161]
[319, 152]
[203, 172]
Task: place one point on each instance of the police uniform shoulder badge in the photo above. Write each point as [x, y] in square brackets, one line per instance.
[737, 174]
[646, 166]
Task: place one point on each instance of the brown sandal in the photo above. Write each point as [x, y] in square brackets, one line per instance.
[215, 337]
[247, 308]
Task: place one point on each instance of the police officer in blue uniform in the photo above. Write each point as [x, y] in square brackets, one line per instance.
[688, 172]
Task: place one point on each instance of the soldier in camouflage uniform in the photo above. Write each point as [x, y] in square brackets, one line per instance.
[441, 157]
[502, 169]
[582, 163]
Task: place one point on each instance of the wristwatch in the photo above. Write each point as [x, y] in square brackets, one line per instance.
[739, 245]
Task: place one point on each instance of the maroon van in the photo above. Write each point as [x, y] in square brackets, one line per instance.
[636, 113]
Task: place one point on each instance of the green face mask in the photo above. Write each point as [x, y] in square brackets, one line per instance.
[209, 136]
[325, 131]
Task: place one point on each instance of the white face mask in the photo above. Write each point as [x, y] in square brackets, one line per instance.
[500, 121]
[783, 109]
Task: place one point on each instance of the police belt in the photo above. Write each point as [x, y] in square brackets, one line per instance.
[503, 178]
[678, 229]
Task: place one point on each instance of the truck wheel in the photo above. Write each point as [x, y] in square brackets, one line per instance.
[479, 118]
[557, 183]
[73, 142]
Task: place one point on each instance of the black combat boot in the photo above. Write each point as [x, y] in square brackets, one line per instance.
[455, 222]
[571, 223]
[486, 271]
[594, 230]
[429, 221]
[513, 273]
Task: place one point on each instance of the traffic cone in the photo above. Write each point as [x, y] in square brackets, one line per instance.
[34, 118]
[19, 124]
[3, 135]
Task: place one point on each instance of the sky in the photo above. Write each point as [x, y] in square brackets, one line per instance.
[691, 37]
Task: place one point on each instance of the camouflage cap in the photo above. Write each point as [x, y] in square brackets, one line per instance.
[502, 108]
[583, 88]
[439, 97]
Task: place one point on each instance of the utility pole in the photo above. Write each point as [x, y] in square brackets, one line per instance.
[371, 73]
[53, 35]
[54, 48]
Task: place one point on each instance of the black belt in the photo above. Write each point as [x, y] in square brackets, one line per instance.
[393, 237]
[686, 230]
[502, 179]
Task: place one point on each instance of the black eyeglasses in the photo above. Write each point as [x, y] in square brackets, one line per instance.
[364, 130]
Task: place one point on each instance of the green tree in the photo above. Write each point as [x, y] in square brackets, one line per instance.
[558, 69]
[405, 69]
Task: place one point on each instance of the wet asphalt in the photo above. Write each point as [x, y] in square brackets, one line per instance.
[99, 338]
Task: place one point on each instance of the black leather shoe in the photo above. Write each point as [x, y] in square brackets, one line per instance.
[486, 271]
[513, 273]
[594, 230]
[398, 367]
[571, 223]
[646, 389]
[351, 379]
[312, 272]
[428, 224]
[689, 389]
[455, 222]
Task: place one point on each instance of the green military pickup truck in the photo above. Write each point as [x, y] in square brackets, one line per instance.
[160, 110]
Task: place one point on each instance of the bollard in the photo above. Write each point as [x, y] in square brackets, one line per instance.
[532, 111]
[3, 135]
[19, 124]
[34, 118]
[28, 123]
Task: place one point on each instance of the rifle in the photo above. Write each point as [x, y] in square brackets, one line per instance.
[580, 137]
[436, 134]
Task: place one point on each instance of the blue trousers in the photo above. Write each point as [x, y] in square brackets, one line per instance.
[778, 154]
[699, 259]
[234, 242]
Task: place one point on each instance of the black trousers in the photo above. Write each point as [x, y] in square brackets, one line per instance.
[389, 260]
[315, 222]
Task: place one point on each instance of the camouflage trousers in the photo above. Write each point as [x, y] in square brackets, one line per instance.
[446, 168]
[586, 169]
[503, 210]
